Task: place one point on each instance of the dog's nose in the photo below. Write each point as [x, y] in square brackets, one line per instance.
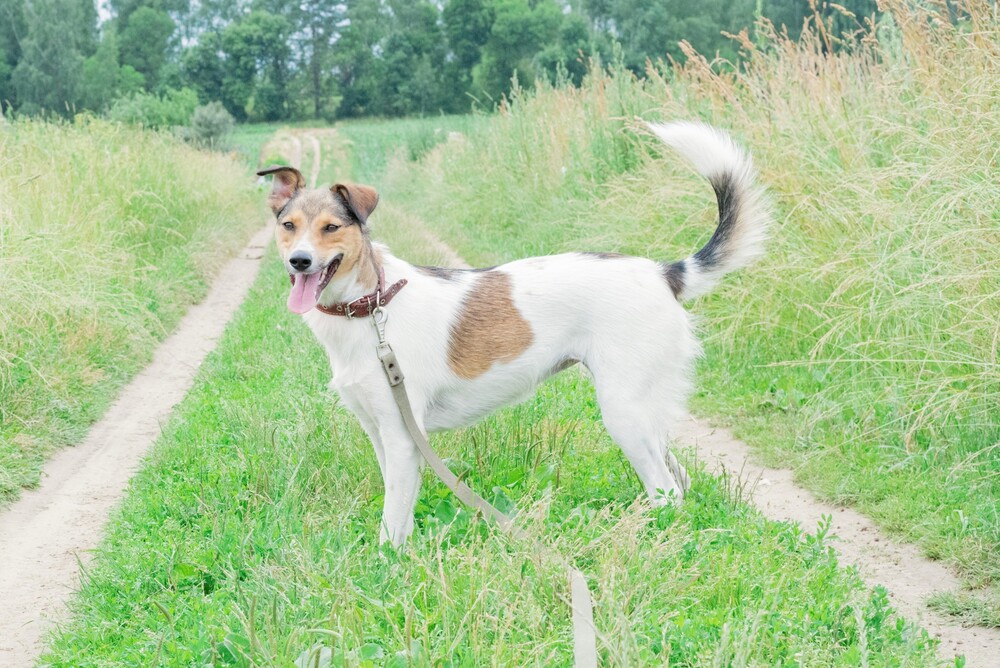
[300, 260]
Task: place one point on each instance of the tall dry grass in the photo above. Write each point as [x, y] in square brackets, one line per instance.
[107, 235]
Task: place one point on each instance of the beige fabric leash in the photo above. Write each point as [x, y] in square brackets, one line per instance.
[581, 601]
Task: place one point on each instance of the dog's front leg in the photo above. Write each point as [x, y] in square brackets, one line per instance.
[398, 458]
[402, 483]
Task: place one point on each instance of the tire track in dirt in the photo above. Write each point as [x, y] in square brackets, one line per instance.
[48, 535]
[46, 532]
[316, 159]
[909, 577]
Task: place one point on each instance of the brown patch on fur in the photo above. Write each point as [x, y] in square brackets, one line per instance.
[285, 239]
[489, 329]
[358, 252]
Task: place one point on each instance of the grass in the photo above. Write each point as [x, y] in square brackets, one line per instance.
[108, 234]
[250, 538]
[249, 139]
[862, 350]
[374, 144]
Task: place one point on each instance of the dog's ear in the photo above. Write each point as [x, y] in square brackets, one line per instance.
[287, 181]
[359, 200]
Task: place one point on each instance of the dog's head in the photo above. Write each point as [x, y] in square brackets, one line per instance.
[320, 233]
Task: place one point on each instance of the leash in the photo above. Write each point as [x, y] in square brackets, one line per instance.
[581, 601]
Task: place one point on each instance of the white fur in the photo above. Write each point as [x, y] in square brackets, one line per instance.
[639, 352]
[617, 316]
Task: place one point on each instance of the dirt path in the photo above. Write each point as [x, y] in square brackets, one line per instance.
[49, 533]
[295, 155]
[287, 144]
[908, 576]
[46, 532]
[316, 160]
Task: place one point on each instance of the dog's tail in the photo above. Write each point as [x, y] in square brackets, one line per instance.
[744, 213]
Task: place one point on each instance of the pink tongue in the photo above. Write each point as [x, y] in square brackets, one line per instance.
[303, 296]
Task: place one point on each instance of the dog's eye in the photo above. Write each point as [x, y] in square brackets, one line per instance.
[331, 228]
[288, 225]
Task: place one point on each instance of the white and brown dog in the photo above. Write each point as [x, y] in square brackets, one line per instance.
[471, 341]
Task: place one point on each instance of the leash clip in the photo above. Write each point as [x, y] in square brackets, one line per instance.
[379, 318]
[384, 351]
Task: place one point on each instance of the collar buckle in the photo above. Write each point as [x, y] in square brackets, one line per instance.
[367, 305]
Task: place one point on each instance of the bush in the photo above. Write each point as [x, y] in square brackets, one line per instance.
[210, 125]
[173, 108]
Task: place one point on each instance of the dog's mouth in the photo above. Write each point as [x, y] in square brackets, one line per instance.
[306, 288]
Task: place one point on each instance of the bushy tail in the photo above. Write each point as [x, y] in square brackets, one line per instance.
[744, 213]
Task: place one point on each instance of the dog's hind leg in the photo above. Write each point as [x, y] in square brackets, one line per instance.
[639, 403]
[644, 443]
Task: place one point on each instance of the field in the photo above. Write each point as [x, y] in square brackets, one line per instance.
[250, 539]
[861, 352]
[108, 234]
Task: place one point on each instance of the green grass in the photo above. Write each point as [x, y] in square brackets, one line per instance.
[375, 143]
[108, 234]
[250, 538]
[862, 350]
[248, 140]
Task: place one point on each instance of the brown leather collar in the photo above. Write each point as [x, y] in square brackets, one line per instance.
[362, 307]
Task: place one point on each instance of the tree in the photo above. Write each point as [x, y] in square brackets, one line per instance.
[359, 70]
[204, 68]
[11, 30]
[48, 71]
[256, 66]
[143, 42]
[653, 29]
[576, 47]
[467, 25]
[519, 32]
[413, 53]
[124, 9]
[103, 79]
[318, 21]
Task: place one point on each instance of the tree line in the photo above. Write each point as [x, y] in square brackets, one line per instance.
[269, 60]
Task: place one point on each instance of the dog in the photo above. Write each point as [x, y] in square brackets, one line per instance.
[471, 341]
